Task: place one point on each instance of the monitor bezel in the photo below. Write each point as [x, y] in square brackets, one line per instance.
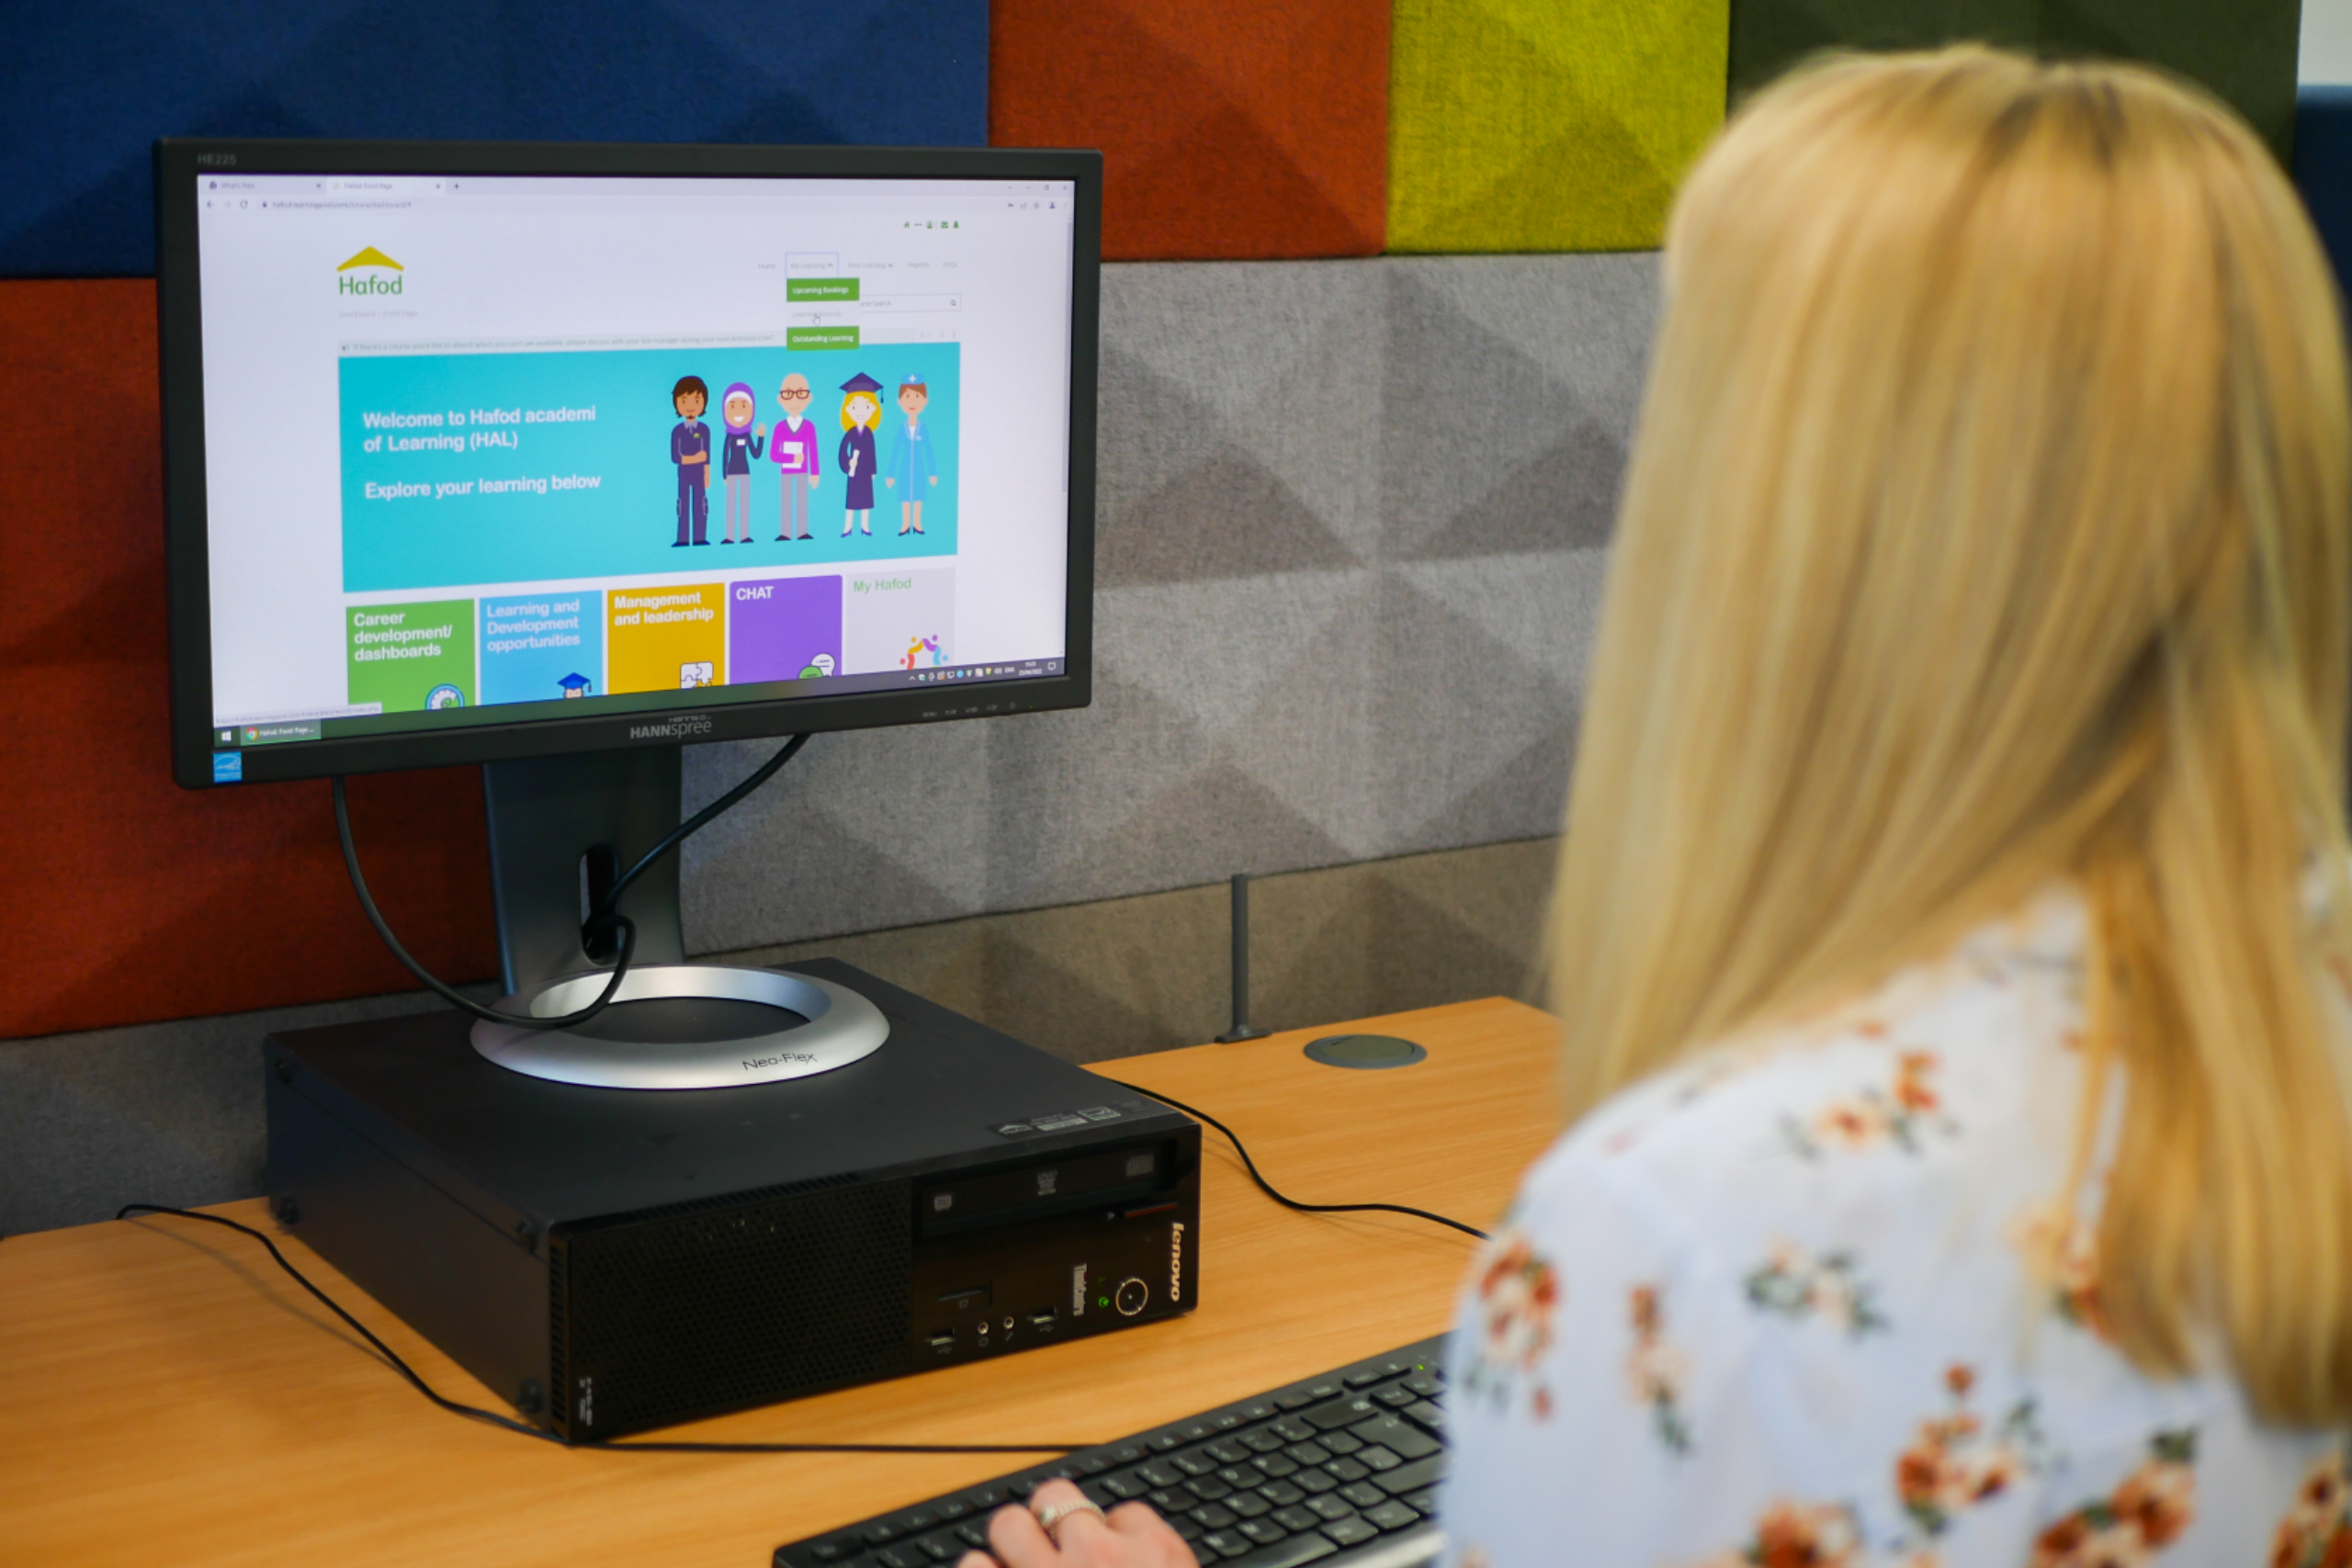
[179, 343]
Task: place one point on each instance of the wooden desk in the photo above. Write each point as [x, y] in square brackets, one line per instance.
[167, 1397]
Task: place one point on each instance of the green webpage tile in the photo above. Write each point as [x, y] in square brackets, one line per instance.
[1547, 125]
[2242, 50]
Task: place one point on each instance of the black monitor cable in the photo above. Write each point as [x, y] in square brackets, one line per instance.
[603, 918]
[523, 1429]
[1276, 1193]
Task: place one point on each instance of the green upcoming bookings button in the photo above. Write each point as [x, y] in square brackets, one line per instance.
[820, 337]
[820, 289]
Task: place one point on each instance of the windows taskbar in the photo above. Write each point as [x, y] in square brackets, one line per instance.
[281, 731]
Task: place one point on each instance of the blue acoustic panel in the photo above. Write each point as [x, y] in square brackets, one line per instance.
[2323, 170]
[85, 88]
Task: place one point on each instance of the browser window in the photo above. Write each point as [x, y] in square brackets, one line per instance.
[492, 443]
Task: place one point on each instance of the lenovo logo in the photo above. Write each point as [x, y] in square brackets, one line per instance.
[679, 728]
[1176, 1262]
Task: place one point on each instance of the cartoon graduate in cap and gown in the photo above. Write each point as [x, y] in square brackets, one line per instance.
[861, 416]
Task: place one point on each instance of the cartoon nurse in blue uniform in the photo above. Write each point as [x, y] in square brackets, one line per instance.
[910, 456]
[861, 414]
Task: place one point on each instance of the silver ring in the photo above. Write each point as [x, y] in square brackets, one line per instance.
[1049, 1516]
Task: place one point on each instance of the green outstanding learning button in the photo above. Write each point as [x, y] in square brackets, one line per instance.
[820, 337]
[819, 288]
[412, 657]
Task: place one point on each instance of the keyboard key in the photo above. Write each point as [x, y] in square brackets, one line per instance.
[1376, 1457]
[1241, 1475]
[941, 1549]
[1401, 1438]
[920, 1520]
[1414, 1476]
[1214, 1517]
[1421, 1502]
[880, 1535]
[1396, 1398]
[1126, 1453]
[1194, 1432]
[1315, 1479]
[1429, 1416]
[973, 1536]
[1425, 1384]
[1192, 1462]
[1342, 1442]
[954, 1508]
[1293, 1429]
[1324, 1390]
[1277, 1465]
[1294, 1401]
[1093, 1464]
[1226, 1422]
[1249, 1504]
[1392, 1515]
[1345, 1469]
[899, 1557]
[1187, 1526]
[1159, 1473]
[1364, 1379]
[1208, 1488]
[1281, 1494]
[1097, 1493]
[1257, 1410]
[1265, 1532]
[1291, 1553]
[1331, 1507]
[1167, 1442]
[1222, 1543]
[1310, 1453]
[1363, 1495]
[1339, 1412]
[1351, 1531]
[1261, 1440]
[830, 1551]
[985, 1497]
[1295, 1519]
[1227, 1451]
[1124, 1485]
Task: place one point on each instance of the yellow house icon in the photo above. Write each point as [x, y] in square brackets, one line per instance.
[371, 256]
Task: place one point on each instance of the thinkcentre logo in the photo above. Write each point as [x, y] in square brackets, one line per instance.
[371, 272]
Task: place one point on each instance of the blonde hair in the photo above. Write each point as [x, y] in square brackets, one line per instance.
[850, 424]
[1987, 526]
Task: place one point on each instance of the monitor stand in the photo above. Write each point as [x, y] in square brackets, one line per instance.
[561, 829]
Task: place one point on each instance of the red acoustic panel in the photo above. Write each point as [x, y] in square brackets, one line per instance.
[1229, 128]
[125, 898]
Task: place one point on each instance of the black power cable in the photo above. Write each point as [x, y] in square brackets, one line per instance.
[523, 1429]
[603, 917]
[1281, 1198]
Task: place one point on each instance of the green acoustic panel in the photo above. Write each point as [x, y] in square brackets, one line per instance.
[2241, 50]
[1547, 125]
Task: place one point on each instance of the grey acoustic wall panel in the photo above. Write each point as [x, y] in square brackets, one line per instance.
[1352, 519]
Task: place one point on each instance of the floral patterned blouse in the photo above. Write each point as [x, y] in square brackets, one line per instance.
[1817, 1303]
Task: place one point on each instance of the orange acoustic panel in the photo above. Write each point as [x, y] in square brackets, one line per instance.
[1229, 128]
[124, 898]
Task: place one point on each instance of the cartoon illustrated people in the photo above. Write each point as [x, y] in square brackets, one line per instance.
[741, 445]
[861, 414]
[910, 456]
[690, 450]
[917, 648]
[794, 448]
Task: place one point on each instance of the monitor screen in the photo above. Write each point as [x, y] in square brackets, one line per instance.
[476, 457]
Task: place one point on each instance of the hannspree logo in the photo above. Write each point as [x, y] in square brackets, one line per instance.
[369, 272]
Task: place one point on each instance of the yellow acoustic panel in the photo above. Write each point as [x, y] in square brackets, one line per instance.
[1547, 125]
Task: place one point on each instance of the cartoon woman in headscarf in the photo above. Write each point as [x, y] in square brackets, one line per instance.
[743, 444]
[861, 415]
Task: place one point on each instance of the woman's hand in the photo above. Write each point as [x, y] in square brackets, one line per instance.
[1130, 1536]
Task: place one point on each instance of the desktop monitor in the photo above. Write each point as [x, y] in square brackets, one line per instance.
[559, 457]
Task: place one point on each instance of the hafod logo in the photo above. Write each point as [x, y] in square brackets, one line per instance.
[369, 272]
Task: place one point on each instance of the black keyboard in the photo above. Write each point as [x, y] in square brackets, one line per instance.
[1344, 1466]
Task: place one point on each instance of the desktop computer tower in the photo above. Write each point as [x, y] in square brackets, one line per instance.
[612, 1260]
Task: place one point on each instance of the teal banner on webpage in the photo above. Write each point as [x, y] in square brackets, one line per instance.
[479, 469]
